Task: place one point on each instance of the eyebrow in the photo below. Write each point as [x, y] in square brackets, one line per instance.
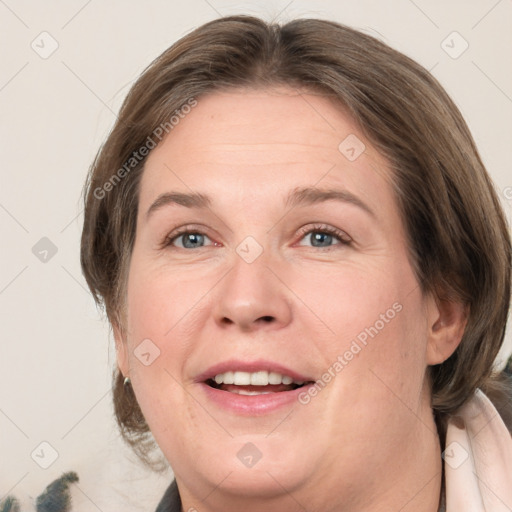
[297, 197]
[312, 195]
[192, 200]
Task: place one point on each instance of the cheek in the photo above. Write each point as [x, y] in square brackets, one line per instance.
[353, 302]
[155, 305]
[376, 360]
[162, 302]
[162, 305]
[370, 324]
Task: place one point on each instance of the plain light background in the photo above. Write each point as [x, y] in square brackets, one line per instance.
[56, 350]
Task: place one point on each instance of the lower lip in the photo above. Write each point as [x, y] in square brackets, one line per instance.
[252, 404]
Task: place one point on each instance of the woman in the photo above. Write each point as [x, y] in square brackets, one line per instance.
[307, 273]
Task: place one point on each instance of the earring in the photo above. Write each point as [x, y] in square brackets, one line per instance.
[126, 382]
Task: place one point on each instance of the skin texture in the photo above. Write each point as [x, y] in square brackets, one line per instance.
[367, 441]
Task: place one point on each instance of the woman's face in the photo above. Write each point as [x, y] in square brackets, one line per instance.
[269, 240]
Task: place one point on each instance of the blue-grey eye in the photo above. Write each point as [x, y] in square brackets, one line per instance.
[319, 239]
[322, 237]
[191, 240]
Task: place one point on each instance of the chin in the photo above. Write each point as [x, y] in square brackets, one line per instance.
[266, 482]
[262, 467]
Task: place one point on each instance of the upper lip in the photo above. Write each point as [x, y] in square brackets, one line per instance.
[250, 366]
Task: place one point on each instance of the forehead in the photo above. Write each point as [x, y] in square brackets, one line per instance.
[281, 119]
[262, 143]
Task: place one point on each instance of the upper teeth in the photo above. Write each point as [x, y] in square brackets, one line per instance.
[261, 378]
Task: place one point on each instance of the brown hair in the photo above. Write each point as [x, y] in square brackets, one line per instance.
[457, 233]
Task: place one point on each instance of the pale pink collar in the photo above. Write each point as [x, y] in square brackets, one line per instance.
[478, 459]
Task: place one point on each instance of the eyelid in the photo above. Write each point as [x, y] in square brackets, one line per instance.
[342, 236]
[189, 228]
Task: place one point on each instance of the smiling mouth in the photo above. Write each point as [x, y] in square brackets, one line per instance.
[254, 383]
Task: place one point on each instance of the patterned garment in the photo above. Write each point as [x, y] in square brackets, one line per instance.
[55, 497]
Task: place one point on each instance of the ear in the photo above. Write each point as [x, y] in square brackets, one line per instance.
[446, 323]
[121, 350]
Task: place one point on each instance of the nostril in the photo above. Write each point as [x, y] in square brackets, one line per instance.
[247, 322]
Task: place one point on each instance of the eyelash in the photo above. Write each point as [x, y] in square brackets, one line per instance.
[341, 236]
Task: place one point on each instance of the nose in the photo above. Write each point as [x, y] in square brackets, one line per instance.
[252, 297]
